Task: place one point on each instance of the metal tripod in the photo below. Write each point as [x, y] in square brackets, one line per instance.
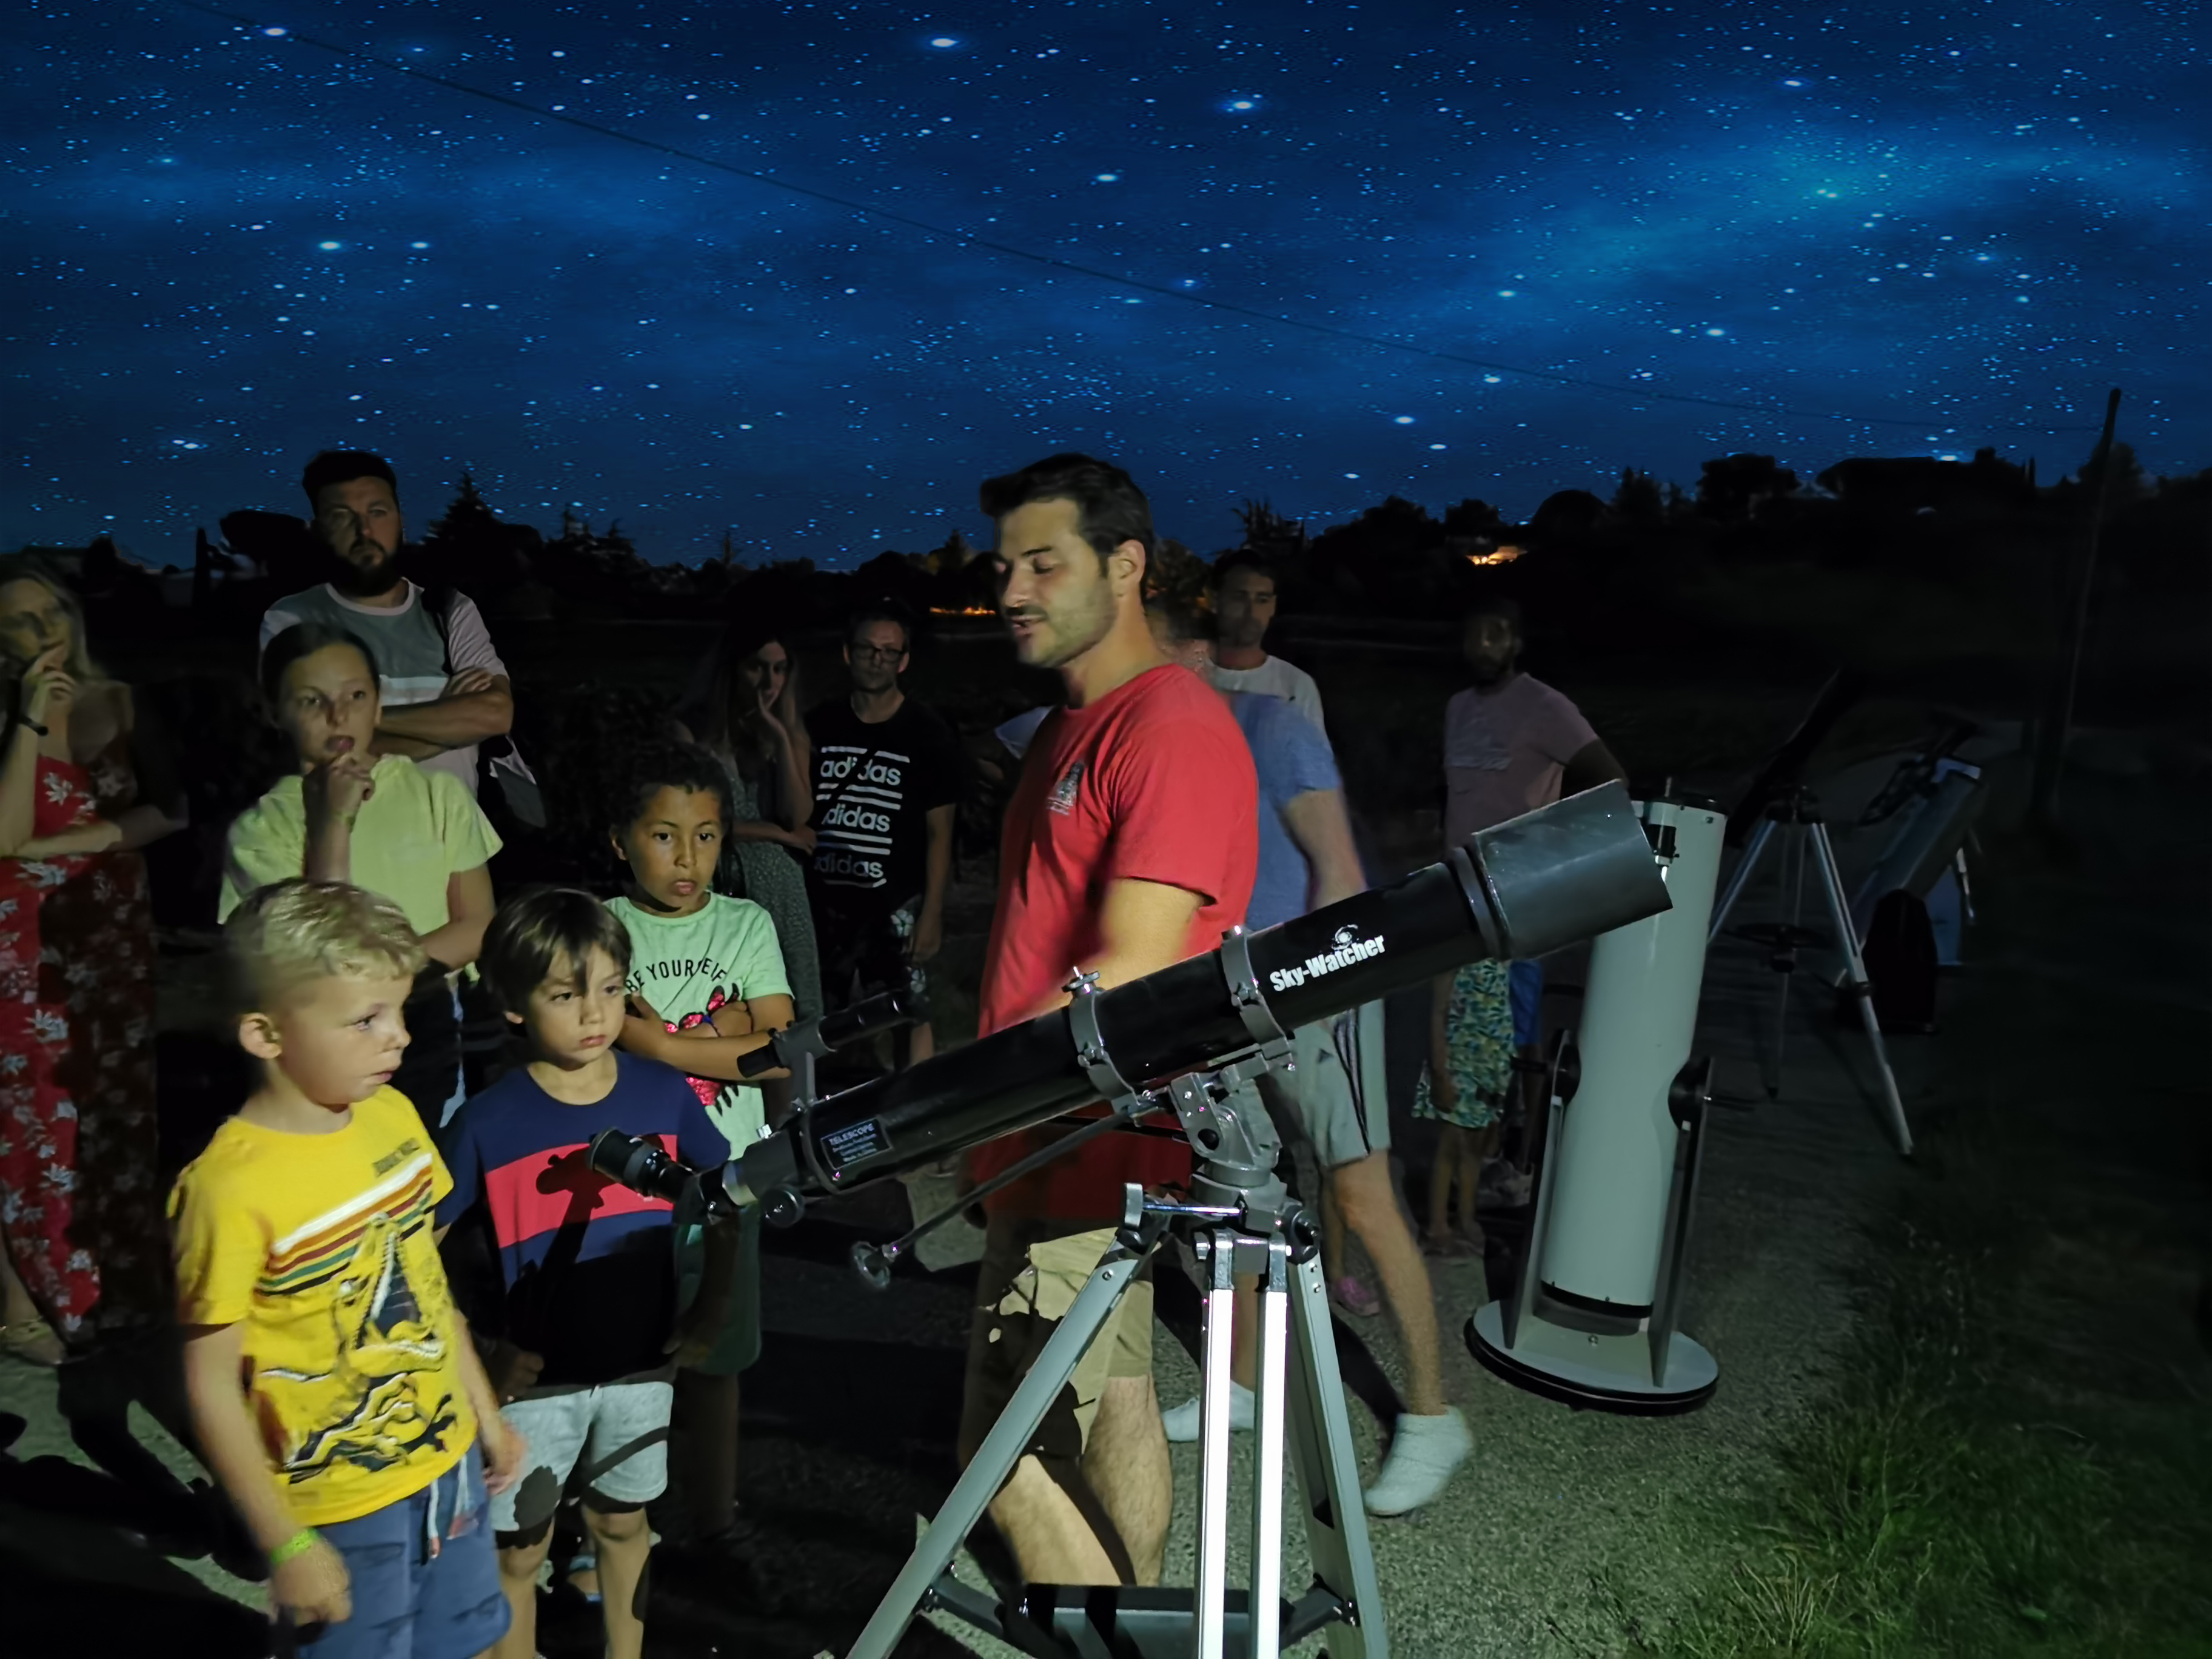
[1240, 1220]
[1798, 812]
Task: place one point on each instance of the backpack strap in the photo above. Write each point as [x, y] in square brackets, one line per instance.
[437, 601]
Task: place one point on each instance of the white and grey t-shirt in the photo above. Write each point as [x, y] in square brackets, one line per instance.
[1273, 678]
[411, 656]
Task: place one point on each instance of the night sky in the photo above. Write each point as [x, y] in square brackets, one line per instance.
[1637, 234]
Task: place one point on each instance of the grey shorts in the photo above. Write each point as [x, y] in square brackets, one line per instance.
[1338, 1099]
[618, 1433]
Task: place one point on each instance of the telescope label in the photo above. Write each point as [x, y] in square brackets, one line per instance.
[1346, 949]
[855, 1142]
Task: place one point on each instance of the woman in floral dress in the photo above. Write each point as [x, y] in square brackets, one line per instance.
[80, 1212]
[1470, 1068]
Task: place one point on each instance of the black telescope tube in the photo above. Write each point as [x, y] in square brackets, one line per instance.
[1569, 872]
[826, 1033]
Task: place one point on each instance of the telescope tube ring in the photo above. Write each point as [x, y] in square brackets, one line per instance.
[1091, 1051]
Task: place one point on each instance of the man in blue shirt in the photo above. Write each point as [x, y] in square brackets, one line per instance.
[1336, 1099]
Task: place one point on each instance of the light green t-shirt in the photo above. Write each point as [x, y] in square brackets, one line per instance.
[416, 831]
[690, 967]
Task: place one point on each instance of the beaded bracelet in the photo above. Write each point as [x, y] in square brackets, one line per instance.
[294, 1547]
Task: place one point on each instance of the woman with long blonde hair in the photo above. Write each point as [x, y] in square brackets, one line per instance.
[746, 714]
[82, 1247]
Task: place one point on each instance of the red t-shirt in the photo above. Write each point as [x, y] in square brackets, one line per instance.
[1152, 782]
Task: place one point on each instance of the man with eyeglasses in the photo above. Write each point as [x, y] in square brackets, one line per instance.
[887, 779]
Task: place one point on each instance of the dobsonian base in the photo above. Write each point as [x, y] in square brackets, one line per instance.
[1589, 1371]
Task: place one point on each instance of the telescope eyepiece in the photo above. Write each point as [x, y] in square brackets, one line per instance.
[642, 1165]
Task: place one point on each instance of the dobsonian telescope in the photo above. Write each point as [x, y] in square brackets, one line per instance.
[1185, 1046]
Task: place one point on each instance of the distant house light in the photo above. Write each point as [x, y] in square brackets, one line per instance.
[1495, 555]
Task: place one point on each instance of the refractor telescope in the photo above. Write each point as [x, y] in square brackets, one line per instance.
[1567, 872]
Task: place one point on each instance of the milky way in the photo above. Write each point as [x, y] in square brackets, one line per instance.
[1511, 249]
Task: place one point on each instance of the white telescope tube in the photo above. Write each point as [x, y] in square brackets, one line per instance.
[1616, 1160]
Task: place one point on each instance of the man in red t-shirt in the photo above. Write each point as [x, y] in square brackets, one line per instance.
[1129, 844]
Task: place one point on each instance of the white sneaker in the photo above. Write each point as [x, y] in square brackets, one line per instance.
[1182, 1422]
[1424, 1452]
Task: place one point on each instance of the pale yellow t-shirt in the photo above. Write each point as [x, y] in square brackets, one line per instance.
[416, 831]
[321, 1246]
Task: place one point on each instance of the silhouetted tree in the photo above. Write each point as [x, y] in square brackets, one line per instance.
[471, 548]
[1266, 531]
[1473, 519]
[1637, 499]
[1731, 489]
[1567, 515]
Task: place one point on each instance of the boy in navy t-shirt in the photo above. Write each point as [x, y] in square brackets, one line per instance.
[590, 1328]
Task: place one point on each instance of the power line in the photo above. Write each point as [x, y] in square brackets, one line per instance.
[1053, 262]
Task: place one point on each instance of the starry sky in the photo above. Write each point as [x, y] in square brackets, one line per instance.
[802, 274]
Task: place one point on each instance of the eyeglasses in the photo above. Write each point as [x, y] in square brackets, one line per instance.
[879, 652]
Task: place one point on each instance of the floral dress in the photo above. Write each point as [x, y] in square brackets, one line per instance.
[78, 1152]
[1478, 1042]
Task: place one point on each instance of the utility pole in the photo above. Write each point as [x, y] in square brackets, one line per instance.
[2059, 717]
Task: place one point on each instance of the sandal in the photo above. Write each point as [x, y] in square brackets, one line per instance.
[34, 1342]
[1450, 1248]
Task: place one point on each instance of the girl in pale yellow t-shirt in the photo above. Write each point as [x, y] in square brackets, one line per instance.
[381, 823]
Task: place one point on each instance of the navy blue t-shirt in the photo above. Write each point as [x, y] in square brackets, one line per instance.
[589, 1266]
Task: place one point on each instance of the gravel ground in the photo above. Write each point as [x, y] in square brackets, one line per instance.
[1567, 1533]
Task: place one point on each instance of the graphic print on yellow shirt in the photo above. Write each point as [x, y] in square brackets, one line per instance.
[321, 1246]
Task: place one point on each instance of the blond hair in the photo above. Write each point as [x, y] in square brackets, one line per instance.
[32, 567]
[291, 934]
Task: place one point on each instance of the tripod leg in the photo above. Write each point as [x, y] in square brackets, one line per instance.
[1001, 1449]
[1793, 879]
[1266, 1599]
[1320, 1435]
[1741, 878]
[1211, 1576]
[1824, 857]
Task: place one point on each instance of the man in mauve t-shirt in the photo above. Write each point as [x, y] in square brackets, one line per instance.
[1511, 745]
[1129, 844]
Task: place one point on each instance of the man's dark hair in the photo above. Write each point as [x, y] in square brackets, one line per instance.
[1109, 507]
[667, 765]
[304, 639]
[1495, 605]
[1244, 558]
[338, 466]
[876, 610]
[539, 927]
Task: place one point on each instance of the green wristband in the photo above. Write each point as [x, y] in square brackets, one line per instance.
[294, 1547]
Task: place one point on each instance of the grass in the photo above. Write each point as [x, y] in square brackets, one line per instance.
[1933, 1508]
[2019, 1460]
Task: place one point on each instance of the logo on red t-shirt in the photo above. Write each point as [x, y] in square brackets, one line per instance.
[1062, 799]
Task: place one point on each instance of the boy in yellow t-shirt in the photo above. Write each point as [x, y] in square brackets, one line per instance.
[333, 1387]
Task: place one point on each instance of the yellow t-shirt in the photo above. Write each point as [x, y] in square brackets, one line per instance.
[416, 830]
[321, 1246]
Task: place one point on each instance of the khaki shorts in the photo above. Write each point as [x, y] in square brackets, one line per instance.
[1030, 1274]
[1338, 1100]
